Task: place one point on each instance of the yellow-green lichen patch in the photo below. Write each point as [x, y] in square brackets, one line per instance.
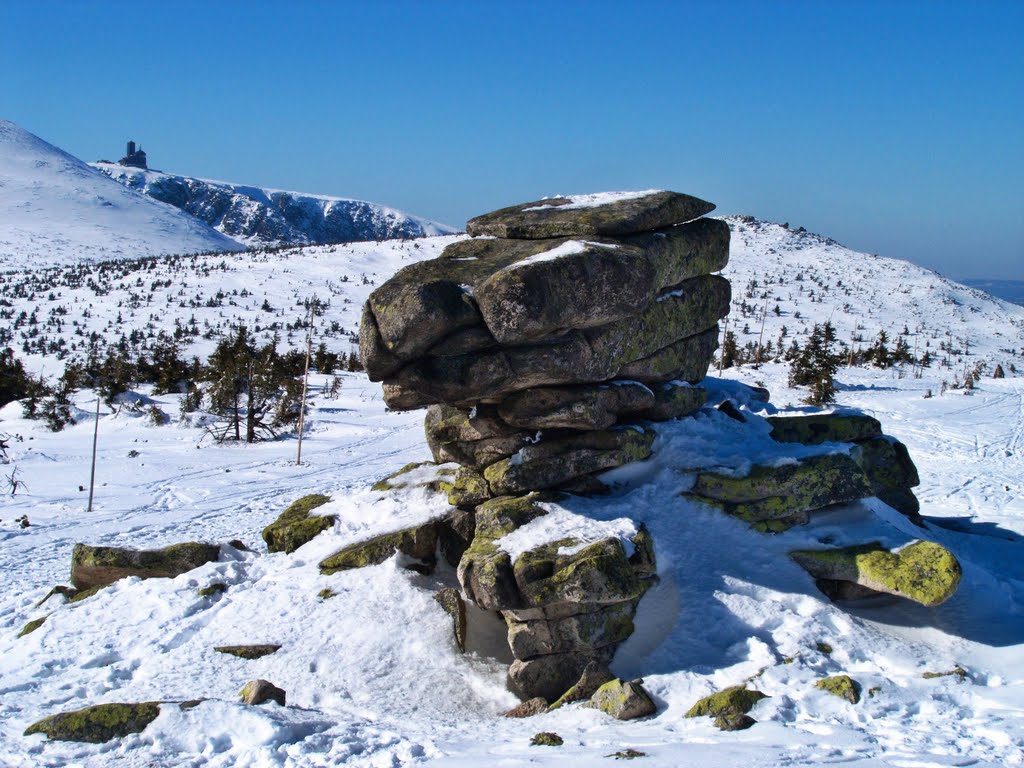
[326, 593]
[32, 626]
[627, 754]
[82, 594]
[408, 476]
[842, 686]
[97, 724]
[295, 526]
[737, 700]
[419, 542]
[824, 648]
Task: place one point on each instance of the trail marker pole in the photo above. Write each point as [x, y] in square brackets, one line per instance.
[305, 380]
[95, 439]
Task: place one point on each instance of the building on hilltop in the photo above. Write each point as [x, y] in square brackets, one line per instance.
[134, 158]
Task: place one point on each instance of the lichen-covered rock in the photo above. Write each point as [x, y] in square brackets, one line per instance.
[923, 571]
[679, 253]
[814, 429]
[585, 407]
[780, 492]
[485, 571]
[296, 526]
[100, 566]
[248, 651]
[454, 606]
[842, 686]
[257, 692]
[643, 561]
[97, 724]
[597, 575]
[419, 541]
[467, 488]
[552, 675]
[737, 700]
[623, 701]
[579, 216]
[546, 739]
[685, 360]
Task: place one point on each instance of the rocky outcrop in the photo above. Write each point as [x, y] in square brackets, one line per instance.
[775, 496]
[257, 692]
[99, 566]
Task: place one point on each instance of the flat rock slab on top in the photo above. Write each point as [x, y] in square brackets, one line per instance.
[607, 213]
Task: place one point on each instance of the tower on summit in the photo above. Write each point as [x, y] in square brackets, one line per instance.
[134, 158]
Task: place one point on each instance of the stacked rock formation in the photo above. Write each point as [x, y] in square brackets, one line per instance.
[543, 347]
[540, 340]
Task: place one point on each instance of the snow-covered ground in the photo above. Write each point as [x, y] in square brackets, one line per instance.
[55, 209]
[372, 675]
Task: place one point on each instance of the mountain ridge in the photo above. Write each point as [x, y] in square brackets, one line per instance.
[264, 216]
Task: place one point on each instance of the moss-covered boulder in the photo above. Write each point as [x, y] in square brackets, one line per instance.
[588, 215]
[257, 651]
[588, 630]
[623, 701]
[418, 474]
[97, 724]
[584, 406]
[923, 571]
[100, 566]
[817, 428]
[419, 541]
[296, 526]
[737, 700]
[467, 488]
[770, 492]
[842, 686]
[546, 739]
[734, 722]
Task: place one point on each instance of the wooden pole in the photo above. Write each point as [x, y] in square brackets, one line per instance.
[721, 357]
[305, 380]
[95, 440]
[764, 315]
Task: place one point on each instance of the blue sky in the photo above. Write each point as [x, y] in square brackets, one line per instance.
[895, 127]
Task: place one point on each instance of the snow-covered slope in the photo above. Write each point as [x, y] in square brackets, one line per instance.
[258, 216]
[55, 209]
[371, 674]
[811, 279]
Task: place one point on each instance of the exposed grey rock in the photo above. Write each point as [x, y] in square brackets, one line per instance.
[530, 708]
[673, 400]
[555, 217]
[418, 541]
[551, 676]
[623, 701]
[586, 407]
[593, 677]
[819, 428]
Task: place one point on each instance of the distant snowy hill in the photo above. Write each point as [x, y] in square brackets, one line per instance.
[257, 216]
[811, 279]
[55, 209]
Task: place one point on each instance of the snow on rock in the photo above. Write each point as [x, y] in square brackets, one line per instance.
[593, 200]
